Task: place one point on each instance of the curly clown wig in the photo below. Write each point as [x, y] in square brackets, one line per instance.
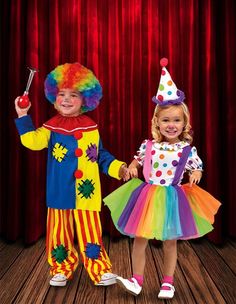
[77, 77]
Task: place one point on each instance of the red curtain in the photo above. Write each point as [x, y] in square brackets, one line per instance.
[122, 41]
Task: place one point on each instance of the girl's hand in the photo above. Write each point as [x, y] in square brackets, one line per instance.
[133, 168]
[133, 171]
[195, 177]
[21, 111]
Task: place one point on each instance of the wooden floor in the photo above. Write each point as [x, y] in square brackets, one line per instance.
[205, 275]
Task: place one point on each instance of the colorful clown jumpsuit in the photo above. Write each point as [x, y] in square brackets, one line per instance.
[75, 155]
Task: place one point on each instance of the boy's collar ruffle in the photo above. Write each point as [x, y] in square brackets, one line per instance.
[69, 125]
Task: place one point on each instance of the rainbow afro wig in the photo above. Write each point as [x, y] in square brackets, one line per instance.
[77, 77]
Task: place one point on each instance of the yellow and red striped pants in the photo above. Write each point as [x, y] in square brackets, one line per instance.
[61, 253]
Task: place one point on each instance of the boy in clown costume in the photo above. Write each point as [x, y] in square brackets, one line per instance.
[75, 156]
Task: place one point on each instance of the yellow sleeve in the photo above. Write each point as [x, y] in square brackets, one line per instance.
[36, 140]
[114, 168]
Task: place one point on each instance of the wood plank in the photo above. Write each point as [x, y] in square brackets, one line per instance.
[183, 293]
[151, 284]
[232, 242]
[228, 253]
[205, 274]
[217, 269]
[8, 255]
[202, 286]
[3, 244]
[18, 273]
[87, 292]
[37, 284]
[65, 294]
[119, 253]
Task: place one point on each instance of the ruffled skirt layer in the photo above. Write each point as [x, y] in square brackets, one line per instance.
[162, 212]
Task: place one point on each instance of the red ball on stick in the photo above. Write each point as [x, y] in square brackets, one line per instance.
[24, 101]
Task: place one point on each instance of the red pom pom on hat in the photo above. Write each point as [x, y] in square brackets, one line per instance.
[163, 62]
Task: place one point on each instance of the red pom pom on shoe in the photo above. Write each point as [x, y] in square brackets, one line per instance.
[163, 62]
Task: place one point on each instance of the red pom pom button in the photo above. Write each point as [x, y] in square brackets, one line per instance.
[78, 134]
[163, 62]
[78, 174]
[78, 152]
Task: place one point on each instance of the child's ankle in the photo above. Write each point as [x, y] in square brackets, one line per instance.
[169, 280]
[138, 278]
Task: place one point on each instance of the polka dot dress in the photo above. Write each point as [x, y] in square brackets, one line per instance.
[158, 207]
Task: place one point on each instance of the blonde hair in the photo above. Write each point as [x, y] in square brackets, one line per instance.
[186, 133]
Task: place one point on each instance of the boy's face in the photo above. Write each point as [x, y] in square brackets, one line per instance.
[68, 102]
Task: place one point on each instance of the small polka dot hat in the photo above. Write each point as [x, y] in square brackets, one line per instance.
[167, 93]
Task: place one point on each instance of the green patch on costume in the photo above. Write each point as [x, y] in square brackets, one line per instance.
[59, 253]
[86, 188]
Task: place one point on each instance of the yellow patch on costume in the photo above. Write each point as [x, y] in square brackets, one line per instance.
[59, 152]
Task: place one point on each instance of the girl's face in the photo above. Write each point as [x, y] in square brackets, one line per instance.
[171, 123]
[68, 102]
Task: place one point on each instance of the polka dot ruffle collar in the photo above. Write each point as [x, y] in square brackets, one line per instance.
[171, 147]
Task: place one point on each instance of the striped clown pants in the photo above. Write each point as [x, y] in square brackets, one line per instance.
[61, 253]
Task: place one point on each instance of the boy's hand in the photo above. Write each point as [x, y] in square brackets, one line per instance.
[195, 177]
[21, 111]
[124, 173]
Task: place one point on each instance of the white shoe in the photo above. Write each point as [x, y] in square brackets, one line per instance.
[130, 286]
[166, 294]
[107, 279]
[58, 279]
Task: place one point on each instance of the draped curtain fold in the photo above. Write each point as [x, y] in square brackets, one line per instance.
[122, 41]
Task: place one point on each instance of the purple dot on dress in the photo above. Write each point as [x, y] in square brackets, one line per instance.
[190, 162]
[162, 181]
[174, 163]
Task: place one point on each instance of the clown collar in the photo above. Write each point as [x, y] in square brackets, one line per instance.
[68, 125]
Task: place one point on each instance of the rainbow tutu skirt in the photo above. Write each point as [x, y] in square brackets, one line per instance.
[162, 212]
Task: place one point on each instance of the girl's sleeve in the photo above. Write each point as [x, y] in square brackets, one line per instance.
[141, 153]
[31, 138]
[194, 162]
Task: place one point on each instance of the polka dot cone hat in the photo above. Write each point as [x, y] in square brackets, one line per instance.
[167, 93]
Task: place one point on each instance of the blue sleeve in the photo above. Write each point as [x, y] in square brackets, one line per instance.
[104, 158]
[24, 124]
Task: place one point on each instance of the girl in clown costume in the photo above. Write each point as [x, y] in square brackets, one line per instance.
[161, 207]
[75, 156]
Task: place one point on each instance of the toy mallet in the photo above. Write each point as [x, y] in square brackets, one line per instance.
[24, 99]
